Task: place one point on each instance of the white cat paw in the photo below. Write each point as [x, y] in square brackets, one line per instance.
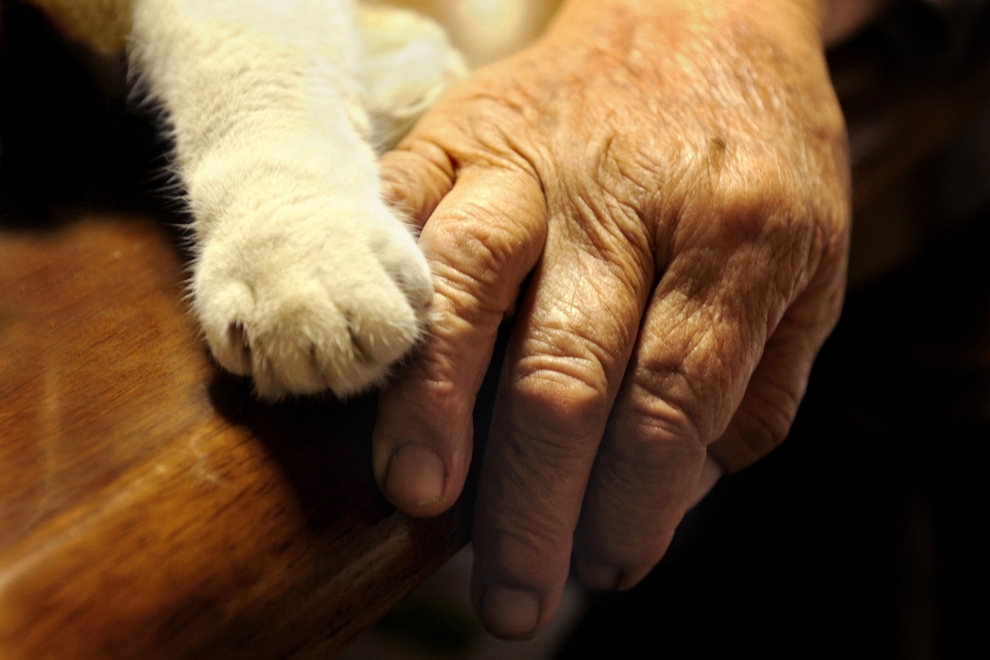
[408, 62]
[303, 306]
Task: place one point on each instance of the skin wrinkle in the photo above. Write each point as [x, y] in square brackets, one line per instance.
[641, 168]
[596, 227]
[667, 422]
[761, 326]
[650, 435]
[704, 340]
[562, 392]
[636, 168]
[611, 240]
[441, 171]
[802, 337]
[526, 474]
[558, 344]
[520, 109]
[763, 434]
[630, 275]
[485, 243]
[518, 155]
[774, 414]
[527, 548]
[688, 276]
[578, 442]
[567, 305]
[714, 368]
[809, 253]
[795, 245]
[662, 414]
[482, 318]
[625, 549]
[721, 152]
[622, 479]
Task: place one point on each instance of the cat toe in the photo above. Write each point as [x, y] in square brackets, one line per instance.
[307, 336]
[238, 349]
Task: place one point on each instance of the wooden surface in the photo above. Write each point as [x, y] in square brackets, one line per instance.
[149, 507]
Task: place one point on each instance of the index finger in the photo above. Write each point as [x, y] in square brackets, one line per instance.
[481, 241]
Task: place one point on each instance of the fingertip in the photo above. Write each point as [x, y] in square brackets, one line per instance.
[422, 444]
[416, 480]
[508, 612]
[415, 477]
[606, 574]
[596, 575]
[515, 587]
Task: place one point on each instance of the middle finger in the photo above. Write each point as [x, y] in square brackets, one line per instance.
[573, 338]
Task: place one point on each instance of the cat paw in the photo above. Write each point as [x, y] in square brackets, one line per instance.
[303, 307]
[408, 61]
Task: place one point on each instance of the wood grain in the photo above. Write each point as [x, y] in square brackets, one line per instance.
[149, 507]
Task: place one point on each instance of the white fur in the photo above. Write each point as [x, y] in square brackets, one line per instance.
[304, 278]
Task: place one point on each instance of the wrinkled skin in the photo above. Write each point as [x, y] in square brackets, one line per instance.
[658, 193]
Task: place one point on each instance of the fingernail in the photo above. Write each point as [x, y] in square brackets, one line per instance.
[510, 613]
[601, 577]
[415, 476]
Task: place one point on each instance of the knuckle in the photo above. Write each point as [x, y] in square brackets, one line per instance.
[657, 436]
[760, 192]
[759, 427]
[485, 247]
[479, 260]
[766, 428]
[566, 394]
[667, 405]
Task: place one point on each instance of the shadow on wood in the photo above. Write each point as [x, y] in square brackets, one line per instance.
[149, 507]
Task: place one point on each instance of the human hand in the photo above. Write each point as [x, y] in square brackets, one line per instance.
[659, 193]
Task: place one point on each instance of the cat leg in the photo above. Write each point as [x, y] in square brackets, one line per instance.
[304, 278]
[407, 63]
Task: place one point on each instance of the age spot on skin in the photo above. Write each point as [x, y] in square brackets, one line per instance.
[716, 153]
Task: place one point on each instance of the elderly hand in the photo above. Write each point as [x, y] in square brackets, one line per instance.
[658, 192]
